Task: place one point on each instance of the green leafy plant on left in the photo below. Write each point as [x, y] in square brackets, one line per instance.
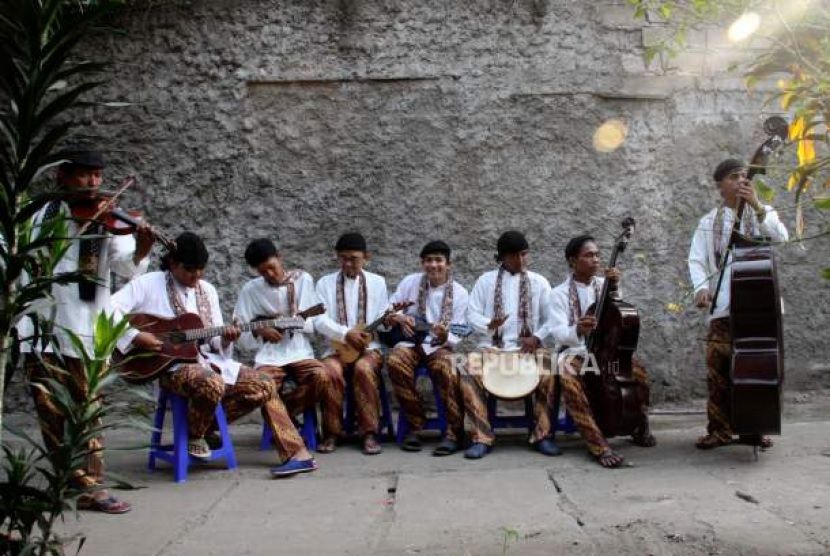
[38, 489]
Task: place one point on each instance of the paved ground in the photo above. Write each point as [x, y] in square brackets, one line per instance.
[672, 499]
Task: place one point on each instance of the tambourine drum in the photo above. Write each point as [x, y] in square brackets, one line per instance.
[510, 375]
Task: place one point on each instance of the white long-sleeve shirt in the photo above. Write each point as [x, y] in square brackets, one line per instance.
[376, 303]
[480, 308]
[148, 294]
[559, 302]
[260, 299]
[70, 311]
[703, 266]
[409, 289]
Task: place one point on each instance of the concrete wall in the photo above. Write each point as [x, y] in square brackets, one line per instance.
[414, 120]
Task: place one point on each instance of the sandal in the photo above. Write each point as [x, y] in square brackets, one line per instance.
[107, 505]
[762, 442]
[610, 459]
[711, 441]
[447, 447]
[411, 443]
[198, 448]
[371, 446]
[644, 439]
[328, 445]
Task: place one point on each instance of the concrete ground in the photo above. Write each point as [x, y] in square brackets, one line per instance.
[672, 499]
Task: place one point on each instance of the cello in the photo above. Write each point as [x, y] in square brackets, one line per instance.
[617, 400]
[757, 369]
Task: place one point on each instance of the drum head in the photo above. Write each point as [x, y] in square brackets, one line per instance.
[510, 375]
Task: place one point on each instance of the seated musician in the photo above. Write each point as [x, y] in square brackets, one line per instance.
[439, 300]
[507, 309]
[709, 242]
[279, 354]
[353, 298]
[568, 303]
[178, 289]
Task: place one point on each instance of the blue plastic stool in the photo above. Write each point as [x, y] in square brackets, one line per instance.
[385, 410]
[308, 431]
[438, 423]
[176, 453]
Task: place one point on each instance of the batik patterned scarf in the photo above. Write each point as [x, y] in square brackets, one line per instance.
[342, 317]
[89, 252]
[446, 300]
[573, 296]
[202, 301]
[287, 282]
[524, 306]
[749, 227]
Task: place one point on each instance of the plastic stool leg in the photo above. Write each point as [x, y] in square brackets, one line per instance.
[309, 429]
[158, 424]
[386, 410]
[267, 438]
[226, 450]
[180, 438]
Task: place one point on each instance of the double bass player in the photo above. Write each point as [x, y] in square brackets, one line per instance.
[709, 244]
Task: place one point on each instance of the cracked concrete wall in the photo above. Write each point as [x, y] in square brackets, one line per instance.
[300, 119]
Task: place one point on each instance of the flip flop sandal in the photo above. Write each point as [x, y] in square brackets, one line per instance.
[446, 448]
[764, 443]
[644, 440]
[411, 443]
[610, 459]
[108, 505]
[371, 446]
[327, 446]
[198, 448]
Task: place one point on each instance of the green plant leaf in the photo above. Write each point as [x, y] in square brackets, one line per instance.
[765, 192]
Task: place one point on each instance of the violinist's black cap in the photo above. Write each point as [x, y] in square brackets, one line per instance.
[727, 167]
[82, 157]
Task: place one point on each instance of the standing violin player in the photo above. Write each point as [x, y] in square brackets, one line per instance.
[709, 243]
[96, 253]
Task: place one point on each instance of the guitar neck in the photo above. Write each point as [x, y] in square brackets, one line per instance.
[279, 323]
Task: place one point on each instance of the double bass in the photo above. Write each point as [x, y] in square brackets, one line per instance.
[617, 400]
[757, 370]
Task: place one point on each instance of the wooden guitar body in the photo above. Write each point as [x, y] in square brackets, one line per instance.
[143, 366]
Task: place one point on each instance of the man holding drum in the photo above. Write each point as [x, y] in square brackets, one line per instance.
[508, 310]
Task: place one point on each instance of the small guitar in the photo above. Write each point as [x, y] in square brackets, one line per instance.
[346, 352]
[422, 328]
[181, 336]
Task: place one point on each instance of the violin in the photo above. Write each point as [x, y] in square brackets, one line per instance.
[99, 208]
